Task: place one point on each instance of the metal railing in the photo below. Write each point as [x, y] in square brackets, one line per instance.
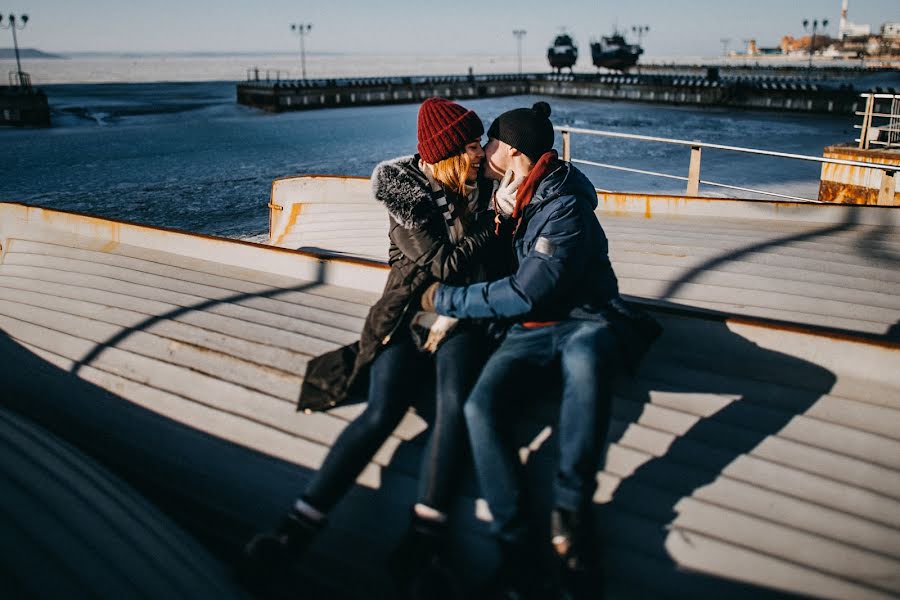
[693, 178]
[19, 79]
[869, 134]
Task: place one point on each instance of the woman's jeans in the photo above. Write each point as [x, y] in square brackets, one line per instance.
[396, 382]
[587, 354]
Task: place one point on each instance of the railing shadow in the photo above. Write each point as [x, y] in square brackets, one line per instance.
[218, 490]
[875, 243]
[849, 223]
[117, 339]
[715, 362]
[769, 388]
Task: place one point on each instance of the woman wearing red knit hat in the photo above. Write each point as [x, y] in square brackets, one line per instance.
[440, 229]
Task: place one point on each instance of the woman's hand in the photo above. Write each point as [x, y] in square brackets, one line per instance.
[505, 193]
[439, 330]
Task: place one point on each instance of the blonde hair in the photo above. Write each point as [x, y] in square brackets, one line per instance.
[452, 173]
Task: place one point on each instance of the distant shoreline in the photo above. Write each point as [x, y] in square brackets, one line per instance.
[10, 53]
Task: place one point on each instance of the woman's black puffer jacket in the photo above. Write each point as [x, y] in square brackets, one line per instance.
[420, 253]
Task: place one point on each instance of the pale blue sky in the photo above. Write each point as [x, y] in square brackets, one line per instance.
[417, 27]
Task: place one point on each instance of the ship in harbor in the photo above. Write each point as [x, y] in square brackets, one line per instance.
[613, 52]
[563, 53]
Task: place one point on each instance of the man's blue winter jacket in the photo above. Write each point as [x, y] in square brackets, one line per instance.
[562, 251]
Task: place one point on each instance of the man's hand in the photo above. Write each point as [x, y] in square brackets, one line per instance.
[428, 297]
[505, 193]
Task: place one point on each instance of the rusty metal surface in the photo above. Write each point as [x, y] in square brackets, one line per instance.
[854, 184]
[747, 458]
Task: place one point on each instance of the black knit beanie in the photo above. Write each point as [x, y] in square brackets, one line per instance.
[528, 130]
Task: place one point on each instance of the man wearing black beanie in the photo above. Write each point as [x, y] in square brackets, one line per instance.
[564, 298]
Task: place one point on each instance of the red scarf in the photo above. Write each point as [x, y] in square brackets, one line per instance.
[546, 164]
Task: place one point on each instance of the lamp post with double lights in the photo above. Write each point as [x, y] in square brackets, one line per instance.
[14, 24]
[639, 31]
[302, 29]
[519, 33]
[812, 43]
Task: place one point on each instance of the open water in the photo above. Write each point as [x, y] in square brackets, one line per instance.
[185, 155]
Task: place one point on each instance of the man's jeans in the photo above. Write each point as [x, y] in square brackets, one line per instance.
[587, 354]
[396, 382]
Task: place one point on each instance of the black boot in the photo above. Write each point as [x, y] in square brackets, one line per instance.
[522, 574]
[277, 548]
[572, 536]
[419, 564]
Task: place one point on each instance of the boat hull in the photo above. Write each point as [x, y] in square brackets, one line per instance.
[620, 59]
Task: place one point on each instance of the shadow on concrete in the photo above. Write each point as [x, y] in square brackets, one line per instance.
[695, 356]
[849, 223]
[218, 491]
[182, 310]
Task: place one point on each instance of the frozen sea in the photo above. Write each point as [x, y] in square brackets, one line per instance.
[183, 154]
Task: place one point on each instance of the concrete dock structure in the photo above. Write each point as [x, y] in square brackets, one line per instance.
[790, 92]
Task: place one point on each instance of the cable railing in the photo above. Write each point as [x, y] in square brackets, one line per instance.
[693, 177]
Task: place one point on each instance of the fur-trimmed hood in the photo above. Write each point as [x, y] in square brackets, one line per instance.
[404, 190]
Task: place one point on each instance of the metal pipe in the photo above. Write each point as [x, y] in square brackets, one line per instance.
[16, 45]
[646, 138]
[703, 181]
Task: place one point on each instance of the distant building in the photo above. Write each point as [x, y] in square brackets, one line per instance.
[890, 30]
[847, 29]
[792, 45]
[754, 50]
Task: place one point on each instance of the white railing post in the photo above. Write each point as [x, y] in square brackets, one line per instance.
[867, 122]
[888, 186]
[693, 185]
[567, 145]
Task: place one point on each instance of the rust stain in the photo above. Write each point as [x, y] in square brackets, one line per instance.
[850, 153]
[822, 332]
[113, 238]
[647, 212]
[296, 209]
[844, 193]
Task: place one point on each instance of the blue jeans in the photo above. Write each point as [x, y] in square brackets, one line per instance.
[396, 382]
[587, 354]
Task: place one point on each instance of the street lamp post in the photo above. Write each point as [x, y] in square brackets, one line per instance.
[812, 43]
[519, 33]
[725, 42]
[20, 76]
[640, 30]
[302, 29]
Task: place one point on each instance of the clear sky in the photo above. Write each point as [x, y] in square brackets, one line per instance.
[417, 27]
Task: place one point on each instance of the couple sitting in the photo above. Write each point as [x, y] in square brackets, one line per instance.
[518, 248]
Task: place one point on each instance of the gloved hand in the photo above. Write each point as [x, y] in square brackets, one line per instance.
[505, 193]
[428, 297]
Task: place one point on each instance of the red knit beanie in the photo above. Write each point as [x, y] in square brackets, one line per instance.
[445, 128]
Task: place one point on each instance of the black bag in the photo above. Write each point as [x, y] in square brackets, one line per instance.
[329, 379]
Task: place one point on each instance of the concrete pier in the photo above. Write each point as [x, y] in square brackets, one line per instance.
[793, 94]
[23, 106]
